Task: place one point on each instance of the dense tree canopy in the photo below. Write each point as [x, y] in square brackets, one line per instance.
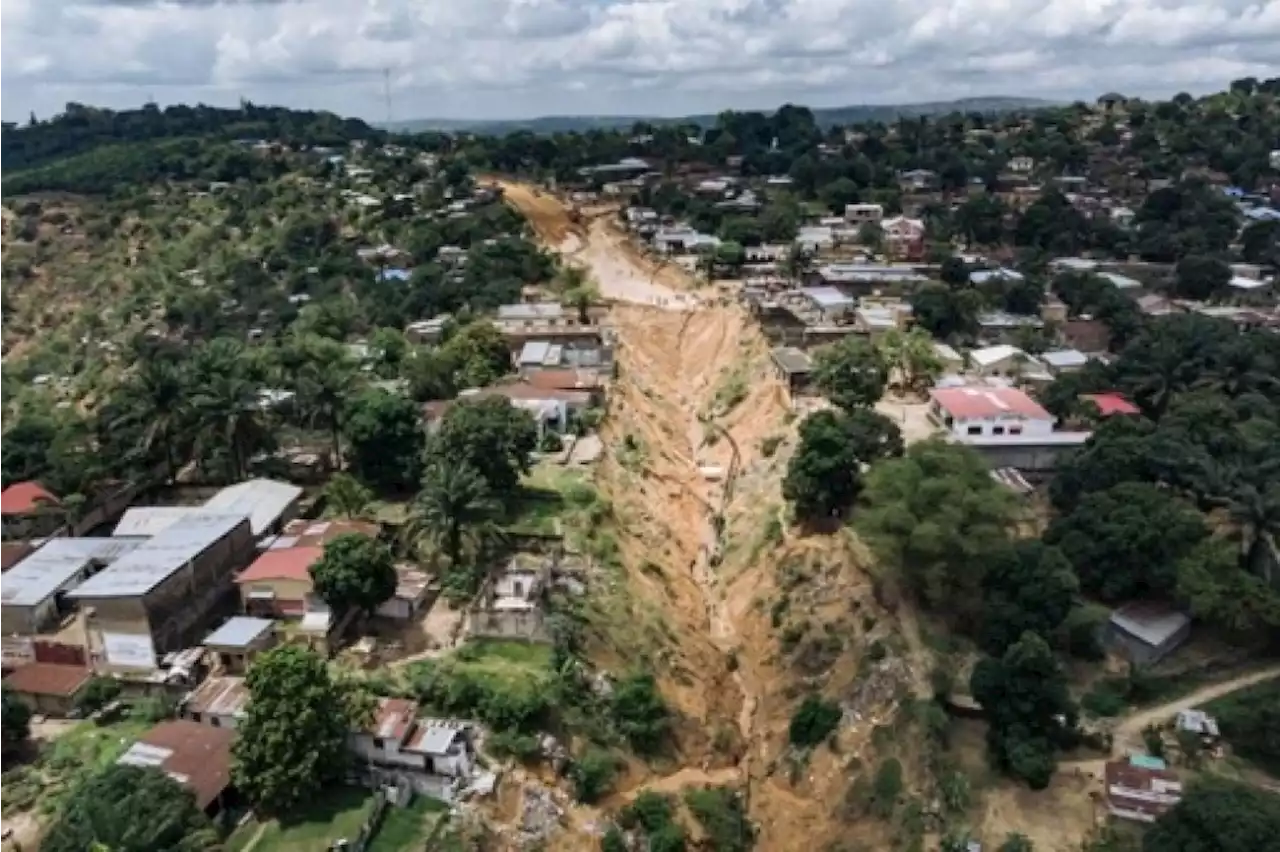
[491, 435]
[355, 572]
[1217, 815]
[851, 373]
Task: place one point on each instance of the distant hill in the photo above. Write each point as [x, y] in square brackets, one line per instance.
[826, 117]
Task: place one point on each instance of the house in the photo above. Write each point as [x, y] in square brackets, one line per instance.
[1061, 361]
[1140, 793]
[1145, 632]
[158, 597]
[815, 238]
[427, 331]
[1197, 722]
[511, 604]
[1002, 326]
[267, 504]
[394, 273]
[1000, 360]
[1022, 164]
[28, 510]
[34, 593]
[903, 237]
[917, 180]
[978, 277]
[989, 412]
[1111, 404]
[831, 303]
[875, 320]
[413, 591]
[278, 583]
[542, 355]
[432, 757]
[793, 367]
[196, 756]
[1123, 217]
[1274, 159]
[861, 214]
[220, 702]
[49, 689]
[952, 361]
[239, 640]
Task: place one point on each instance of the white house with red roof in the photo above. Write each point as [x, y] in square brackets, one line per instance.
[989, 412]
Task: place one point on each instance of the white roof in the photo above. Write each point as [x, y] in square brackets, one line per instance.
[56, 562]
[1239, 282]
[946, 353]
[994, 354]
[1077, 264]
[1065, 358]
[1122, 282]
[150, 520]
[828, 297]
[264, 501]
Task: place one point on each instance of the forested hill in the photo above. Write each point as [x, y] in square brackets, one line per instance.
[827, 117]
[80, 129]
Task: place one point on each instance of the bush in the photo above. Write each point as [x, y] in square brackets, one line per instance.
[723, 818]
[1104, 700]
[593, 774]
[655, 814]
[523, 747]
[813, 721]
[640, 713]
[100, 692]
[769, 446]
[886, 788]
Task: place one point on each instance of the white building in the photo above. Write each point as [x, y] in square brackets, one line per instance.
[1000, 360]
[859, 214]
[432, 756]
[986, 412]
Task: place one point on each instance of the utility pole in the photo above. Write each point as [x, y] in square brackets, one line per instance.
[386, 90]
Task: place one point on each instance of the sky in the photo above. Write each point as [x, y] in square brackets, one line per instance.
[476, 59]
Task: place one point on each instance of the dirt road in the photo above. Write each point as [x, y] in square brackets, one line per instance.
[1129, 731]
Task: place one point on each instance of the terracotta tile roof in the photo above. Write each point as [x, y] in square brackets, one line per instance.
[196, 756]
[24, 498]
[290, 563]
[48, 679]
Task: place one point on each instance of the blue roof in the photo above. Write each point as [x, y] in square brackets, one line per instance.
[394, 273]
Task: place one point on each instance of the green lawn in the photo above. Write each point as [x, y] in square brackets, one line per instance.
[337, 813]
[509, 664]
[406, 829]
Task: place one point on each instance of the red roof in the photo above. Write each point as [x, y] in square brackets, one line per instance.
[289, 563]
[1111, 403]
[24, 498]
[1140, 793]
[199, 755]
[980, 403]
[393, 719]
[48, 679]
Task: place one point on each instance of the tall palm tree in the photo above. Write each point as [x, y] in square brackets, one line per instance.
[453, 511]
[157, 401]
[323, 381]
[226, 406]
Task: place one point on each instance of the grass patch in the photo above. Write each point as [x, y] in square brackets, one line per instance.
[407, 828]
[336, 813]
[1114, 694]
[76, 755]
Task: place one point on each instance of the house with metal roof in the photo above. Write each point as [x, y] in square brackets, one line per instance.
[35, 591]
[158, 597]
[197, 756]
[434, 757]
[239, 640]
[268, 503]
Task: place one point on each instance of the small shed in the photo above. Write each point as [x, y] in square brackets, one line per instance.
[793, 367]
[239, 640]
[1146, 632]
[49, 688]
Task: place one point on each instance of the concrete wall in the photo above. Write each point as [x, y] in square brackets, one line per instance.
[1026, 458]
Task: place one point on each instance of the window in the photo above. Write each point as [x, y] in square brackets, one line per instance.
[1015, 430]
[518, 588]
[195, 717]
[975, 430]
[377, 742]
[997, 430]
[215, 721]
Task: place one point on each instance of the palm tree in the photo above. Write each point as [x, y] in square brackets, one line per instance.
[453, 510]
[323, 381]
[582, 298]
[226, 408]
[157, 401]
[1256, 510]
[346, 496]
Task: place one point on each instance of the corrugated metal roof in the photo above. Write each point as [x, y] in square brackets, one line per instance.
[531, 311]
[152, 562]
[534, 352]
[263, 500]
[828, 297]
[224, 695]
[42, 573]
[239, 632]
[435, 736]
[151, 520]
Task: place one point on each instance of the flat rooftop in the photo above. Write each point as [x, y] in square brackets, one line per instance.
[152, 562]
[44, 571]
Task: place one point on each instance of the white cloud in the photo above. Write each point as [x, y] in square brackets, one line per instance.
[523, 57]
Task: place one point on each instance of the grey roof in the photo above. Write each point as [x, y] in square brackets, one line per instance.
[1152, 623]
[263, 500]
[239, 632]
[869, 272]
[44, 572]
[828, 297]
[1122, 282]
[150, 520]
[434, 736]
[535, 352]
[153, 561]
[792, 360]
[531, 311]
[1064, 358]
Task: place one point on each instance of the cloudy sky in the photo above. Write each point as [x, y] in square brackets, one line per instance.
[520, 58]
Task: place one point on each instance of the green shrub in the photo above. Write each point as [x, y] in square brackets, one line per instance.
[1103, 700]
[100, 692]
[723, 818]
[814, 719]
[886, 788]
[592, 775]
[640, 713]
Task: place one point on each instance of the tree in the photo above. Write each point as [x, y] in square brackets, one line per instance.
[477, 353]
[1217, 815]
[127, 808]
[385, 438]
[346, 497]
[945, 313]
[1201, 278]
[453, 509]
[851, 373]
[935, 517]
[1126, 541]
[813, 721]
[1028, 587]
[640, 713]
[226, 407]
[1217, 589]
[1029, 709]
[322, 376]
[16, 719]
[492, 436]
[355, 572]
[871, 435]
[156, 399]
[1260, 242]
[912, 356]
[293, 741]
[824, 476]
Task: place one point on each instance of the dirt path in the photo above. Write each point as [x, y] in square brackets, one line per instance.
[1130, 728]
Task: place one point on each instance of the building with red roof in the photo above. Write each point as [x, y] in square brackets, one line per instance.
[48, 688]
[1110, 404]
[278, 583]
[29, 510]
[988, 412]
